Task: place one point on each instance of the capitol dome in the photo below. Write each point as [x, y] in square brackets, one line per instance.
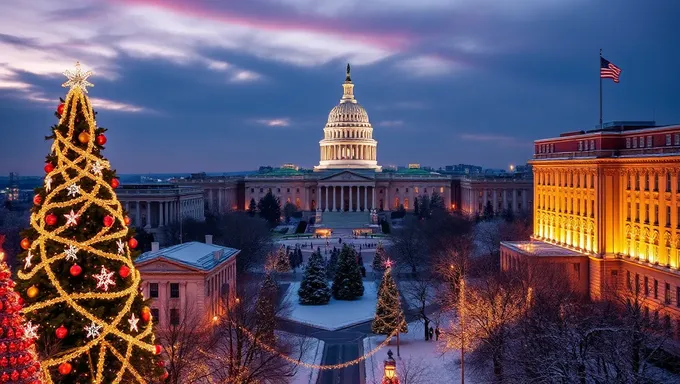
[348, 135]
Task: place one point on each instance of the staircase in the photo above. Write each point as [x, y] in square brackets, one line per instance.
[345, 220]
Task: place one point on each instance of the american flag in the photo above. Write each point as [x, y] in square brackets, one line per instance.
[609, 70]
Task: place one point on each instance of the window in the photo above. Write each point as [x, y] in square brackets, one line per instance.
[628, 177]
[637, 181]
[261, 190]
[634, 142]
[415, 189]
[252, 190]
[174, 290]
[153, 290]
[656, 288]
[649, 141]
[628, 212]
[668, 182]
[288, 190]
[676, 139]
[592, 145]
[637, 212]
[668, 139]
[667, 294]
[646, 182]
[592, 208]
[678, 214]
[656, 214]
[668, 216]
[627, 142]
[425, 190]
[297, 190]
[441, 189]
[278, 190]
[155, 315]
[656, 182]
[637, 283]
[580, 145]
[646, 286]
[642, 142]
[174, 316]
[646, 213]
[628, 282]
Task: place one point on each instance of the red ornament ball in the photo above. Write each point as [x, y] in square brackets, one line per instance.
[108, 220]
[159, 349]
[65, 368]
[61, 332]
[132, 243]
[165, 374]
[51, 219]
[124, 271]
[146, 316]
[101, 139]
[115, 183]
[25, 243]
[75, 270]
[37, 199]
[60, 109]
[127, 220]
[49, 167]
[161, 363]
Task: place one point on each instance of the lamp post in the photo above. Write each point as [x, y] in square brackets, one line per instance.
[390, 376]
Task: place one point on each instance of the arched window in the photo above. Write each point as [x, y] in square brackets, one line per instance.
[396, 203]
[297, 203]
[406, 203]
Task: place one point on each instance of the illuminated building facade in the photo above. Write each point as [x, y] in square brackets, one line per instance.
[607, 206]
[503, 193]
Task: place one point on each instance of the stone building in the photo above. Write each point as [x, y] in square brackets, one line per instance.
[607, 208]
[504, 194]
[190, 279]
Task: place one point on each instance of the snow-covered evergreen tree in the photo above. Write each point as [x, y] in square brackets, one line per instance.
[314, 289]
[266, 309]
[388, 313]
[332, 265]
[379, 259]
[347, 283]
[282, 261]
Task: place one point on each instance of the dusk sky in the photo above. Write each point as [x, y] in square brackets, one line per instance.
[189, 86]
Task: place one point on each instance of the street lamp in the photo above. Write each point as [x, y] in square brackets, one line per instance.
[390, 370]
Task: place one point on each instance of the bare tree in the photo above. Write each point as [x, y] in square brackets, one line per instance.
[244, 351]
[421, 290]
[187, 337]
[409, 246]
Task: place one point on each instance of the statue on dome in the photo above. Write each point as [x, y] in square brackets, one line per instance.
[348, 69]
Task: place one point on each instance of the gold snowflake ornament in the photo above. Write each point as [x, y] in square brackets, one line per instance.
[77, 79]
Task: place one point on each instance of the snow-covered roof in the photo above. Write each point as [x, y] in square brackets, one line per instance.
[193, 254]
[541, 248]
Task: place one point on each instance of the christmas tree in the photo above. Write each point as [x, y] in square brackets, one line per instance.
[77, 275]
[332, 264]
[388, 313]
[282, 261]
[379, 259]
[347, 283]
[266, 310]
[314, 288]
[18, 360]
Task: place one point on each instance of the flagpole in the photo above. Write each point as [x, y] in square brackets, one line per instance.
[600, 76]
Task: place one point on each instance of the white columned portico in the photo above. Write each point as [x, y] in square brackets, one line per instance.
[358, 199]
[373, 204]
[365, 198]
[342, 199]
[148, 215]
[161, 214]
[138, 218]
[318, 197]
[335, 206]
[326, 207]
[350, 199]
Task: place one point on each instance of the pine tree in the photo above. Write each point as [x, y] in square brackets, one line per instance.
[282, 261]
[77, 276]
[314, 289]
[266, 310]
[332, 265]
[388, 313]
[269, 208]
[416, 207]
[437, 203]
[18, 360]
[379, 259]
[347, 283]
[252, 208]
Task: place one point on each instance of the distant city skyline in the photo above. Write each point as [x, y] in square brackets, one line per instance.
[204, 86]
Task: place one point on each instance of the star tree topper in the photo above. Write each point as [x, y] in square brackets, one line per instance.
[77, 79]
[389, 263]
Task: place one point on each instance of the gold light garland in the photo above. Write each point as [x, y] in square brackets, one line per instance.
[273, 351]
[109, 327]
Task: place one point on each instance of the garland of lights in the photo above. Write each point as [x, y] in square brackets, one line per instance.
[92, 170]
[291, 360]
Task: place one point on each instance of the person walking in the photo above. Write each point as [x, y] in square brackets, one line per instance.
[436, 333]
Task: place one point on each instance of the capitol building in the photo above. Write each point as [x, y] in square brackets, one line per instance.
[347, 184]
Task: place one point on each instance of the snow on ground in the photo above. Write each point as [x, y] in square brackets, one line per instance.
[337, 314]
[421, 362]
[312, 354]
